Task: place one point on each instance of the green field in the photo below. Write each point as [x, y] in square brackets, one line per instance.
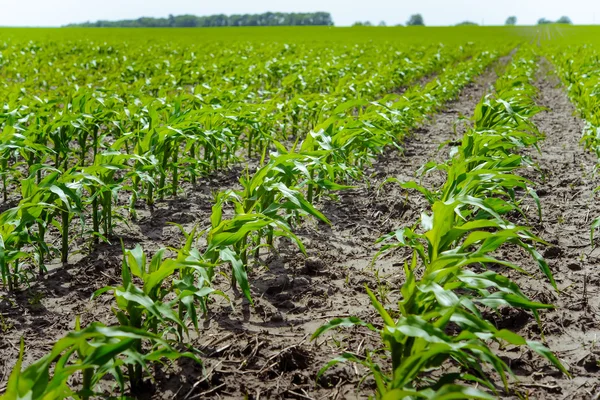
[450, 35]
[165, 175]
[414, 35]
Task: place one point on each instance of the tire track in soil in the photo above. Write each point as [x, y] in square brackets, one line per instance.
[568, 207]
[294, 297]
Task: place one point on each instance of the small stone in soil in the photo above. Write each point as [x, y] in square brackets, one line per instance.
[277, 317]
[288, 304]
[277, 284]
[301, 281]
[574, 267]
[553, 252]
[314, 265]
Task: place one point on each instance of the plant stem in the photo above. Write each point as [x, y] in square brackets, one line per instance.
[95, 222]
[193, 157]
[86, 385]
[107, 212]
[175, 173]
[150, 195]
[250, 143]
[163, 172]
[41, 242]
[65, 236]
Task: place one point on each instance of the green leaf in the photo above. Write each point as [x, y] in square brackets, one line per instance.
[299, 201]
[594, 226]
[341, 323]
[239, 271]
[544, 351]
[136, 261]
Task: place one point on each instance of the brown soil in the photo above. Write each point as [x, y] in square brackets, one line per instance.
[265, 351]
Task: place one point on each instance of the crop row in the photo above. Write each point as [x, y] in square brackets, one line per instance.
[158, 299]
[70, 157]
[578, 70]
[106, 92]
[455, 278]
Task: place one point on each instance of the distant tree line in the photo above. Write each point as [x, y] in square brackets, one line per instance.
[561, 20]
[360, 23]
[417, 20]
[219, 20]
[414, 20]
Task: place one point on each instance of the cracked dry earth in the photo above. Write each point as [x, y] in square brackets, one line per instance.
[265, 351]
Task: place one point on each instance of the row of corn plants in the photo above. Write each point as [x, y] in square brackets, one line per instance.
[158, 299]
[154, 306]
[76, 120]
[578, 70]
[283, 191]
[67, 155]
[454, 277]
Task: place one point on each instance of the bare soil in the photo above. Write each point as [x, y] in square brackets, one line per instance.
[265, 351]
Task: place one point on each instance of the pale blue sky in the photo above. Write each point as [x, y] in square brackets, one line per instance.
[344, 12]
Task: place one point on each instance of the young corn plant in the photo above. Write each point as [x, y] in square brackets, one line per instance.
[268, 206]
[13, 238]
[151, 308]
[448, 296]
[90, 354]
[52, 202]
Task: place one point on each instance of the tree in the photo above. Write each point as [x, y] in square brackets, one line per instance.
[415, 20]
[189, 21]
[543, 21]
[186, 21]
[467, 23]
[382, 23]
[564, 20]
[511, 20]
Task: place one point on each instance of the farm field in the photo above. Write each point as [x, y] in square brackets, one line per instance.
[301, 213]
